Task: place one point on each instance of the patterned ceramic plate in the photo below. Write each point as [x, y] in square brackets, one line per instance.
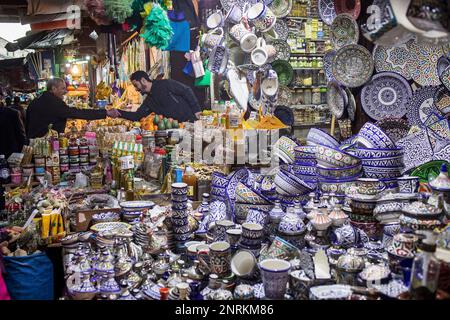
[284, 71]
[442, 64]
[240, 175]
[427, 170]
[281, 29]
[441, 128]
[417, 150]
[445, 78]
[281, 8]
[351, 105]
[110, 226]
[421, 105]
[284, 96]
[285, 114]
[352, 66]
[344, 31]
[423, 64]
[326, 11]
[336, 99]
[283, 49]
[395, 59]
[433, 118]
[386, 95]
[327, 63]
[442, 100]
[352, 7]
[395, 128]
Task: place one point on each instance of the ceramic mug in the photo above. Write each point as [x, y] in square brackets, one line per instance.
[269, 85]
[234, 15]
[221, 229]
[214, 20]
[259, 55]
[252, 230]
[233, 236]
[275, 275]
[280, 249]
[179, 189]
[213, 38]
[261, 17]
[248, 42]
[220, 257]
[238, 31]
[408, 184]
[218, 59]
[369, 186]
[243, 264]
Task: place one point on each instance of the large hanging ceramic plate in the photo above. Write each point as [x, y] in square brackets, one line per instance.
[326, 11]
[428, 170]
[283, 49]
[352, 65]
[421, 105]
[386, 95]
[284, 96]
[445, 78]
[284, 114]
[284, 71]
[327, 64]
[395, 128]
[423, 64]
[442, 100]
[351, 105]
[281, 29]
[344, 31]
[351, 7]
[442, 64]
[396, 59]
[336, 99]
[281, 8]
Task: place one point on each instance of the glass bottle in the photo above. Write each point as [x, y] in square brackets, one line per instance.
[299, 210]
[425, 270]
[191, 180]
[164, 293]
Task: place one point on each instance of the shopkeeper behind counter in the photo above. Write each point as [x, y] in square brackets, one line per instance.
[50, 108]
[169, 98]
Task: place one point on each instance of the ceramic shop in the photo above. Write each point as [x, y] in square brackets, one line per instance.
[348, 198]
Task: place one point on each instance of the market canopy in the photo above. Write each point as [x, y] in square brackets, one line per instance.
[42, 40]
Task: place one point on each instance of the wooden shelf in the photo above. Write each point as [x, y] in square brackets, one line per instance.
[306, 68]
[295, 106]
[309, 125]
[308, 87]
[308, 54]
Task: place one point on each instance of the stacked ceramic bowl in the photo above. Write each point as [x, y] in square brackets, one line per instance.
[284, 149]
[317, 136]
[219, 184]
[180, 222]
[381, 159]
[288, 184]
[336, 169]
[248, 198]
[251, 237]
[132, 210]
[305, 163]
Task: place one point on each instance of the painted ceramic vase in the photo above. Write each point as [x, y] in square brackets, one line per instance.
[275, 275]
[219, 258]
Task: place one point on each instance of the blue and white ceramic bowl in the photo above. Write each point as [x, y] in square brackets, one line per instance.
[384, 162]
[372, 136]
[179, 197]
[303, 170]
[136, 205]
[317, 136]
[257, 216]
[179, 213]
[252, 231]
[305, 152]
[179, 205]
[219, 180]
[179, 188]
[182, 236]
[242, 209]
[382, 172]
[288, 184]
[333, 157]
[218, 193]
[339, 173]
[178, 222]
[246, 194]
[370, 153]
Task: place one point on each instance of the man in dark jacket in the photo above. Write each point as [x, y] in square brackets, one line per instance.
[50, 108]
[12, 132]
[169, 98]
[16, 106]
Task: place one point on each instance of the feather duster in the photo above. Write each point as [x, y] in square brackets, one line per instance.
[157, 31]
[118, 10]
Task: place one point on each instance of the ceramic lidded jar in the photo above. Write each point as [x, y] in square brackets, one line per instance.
[311, 204]
[277, 213]
[291, 224]
[321, 221]
[85, 290]
[299, 210]
[442, 182]
[338, 216]
[348, 267]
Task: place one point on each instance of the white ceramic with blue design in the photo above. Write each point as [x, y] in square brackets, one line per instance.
[396, 161]
[179, 213]
[372, 136]
[252, 230]
[179, 188]
[178, 222]
[260, 16]
[243, 264]
[181, 229]
[221, 228]
[182, 236]
[215, 20]
[370, 153]
[275, 275]
[382, 172]
[257, 216]
[344, 236]
[318, 136]
[408, 184]
[233, 236]
[179, 205]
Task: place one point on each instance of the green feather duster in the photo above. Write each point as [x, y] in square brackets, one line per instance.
[157, 31]
[118, 10]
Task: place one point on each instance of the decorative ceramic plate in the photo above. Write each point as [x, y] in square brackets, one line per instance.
[428, 170]
[386, 95]
[227, 4]
[336, 99]
[281, 8]
[351, 105]
[330, 292]
[352, 66]
[284, 71]
[285, 114]
[441, 128]
[352, 7]
[442, 64]
[397, 59]
[421, 105]
[395, 128]
[326, 11]
[445, 78]
[283, 49]
[423, 64]
[438, 142]
[327, 64]
[432, 118]
[110, 226]
[284, 96]
[417, 150]
[442, 100]
[281, 29]
[137, 205]
[344, 31]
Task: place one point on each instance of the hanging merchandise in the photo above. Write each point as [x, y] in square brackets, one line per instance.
[118, 10]
[204, 81]
[97, 12]
[157, 31]
[181, 34]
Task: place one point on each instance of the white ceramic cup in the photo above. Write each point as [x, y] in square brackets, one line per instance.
[275, 275]
[243, 264]
[248, 42]
[234, 15]
[238, 31]
[214, 20]
[260, 16]
[213, 38]
[259, 55]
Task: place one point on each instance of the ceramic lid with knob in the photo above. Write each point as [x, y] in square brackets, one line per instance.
[442, 181]
[351, 263]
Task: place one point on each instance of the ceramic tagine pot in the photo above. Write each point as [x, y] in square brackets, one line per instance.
[311, 204]
[347, 268]
[338, 216]
[420, 216]
[321, 221]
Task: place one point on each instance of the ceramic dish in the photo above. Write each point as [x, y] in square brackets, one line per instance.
[137, 205]
[421, 105]
[371, 136]
[442, 100]
[284, 71]
[344, 31]
[336, 99]
[327, 11]
[330, 292]
[442, 64]
[281, 8]
[352, 65]
[282, 48]
[110, 226]
[328, 62]
[395, 128]
[424, 58]
[386, 95]
[394, 59]
[445, 78]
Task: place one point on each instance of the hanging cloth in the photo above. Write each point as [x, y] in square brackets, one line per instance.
[181, 34]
